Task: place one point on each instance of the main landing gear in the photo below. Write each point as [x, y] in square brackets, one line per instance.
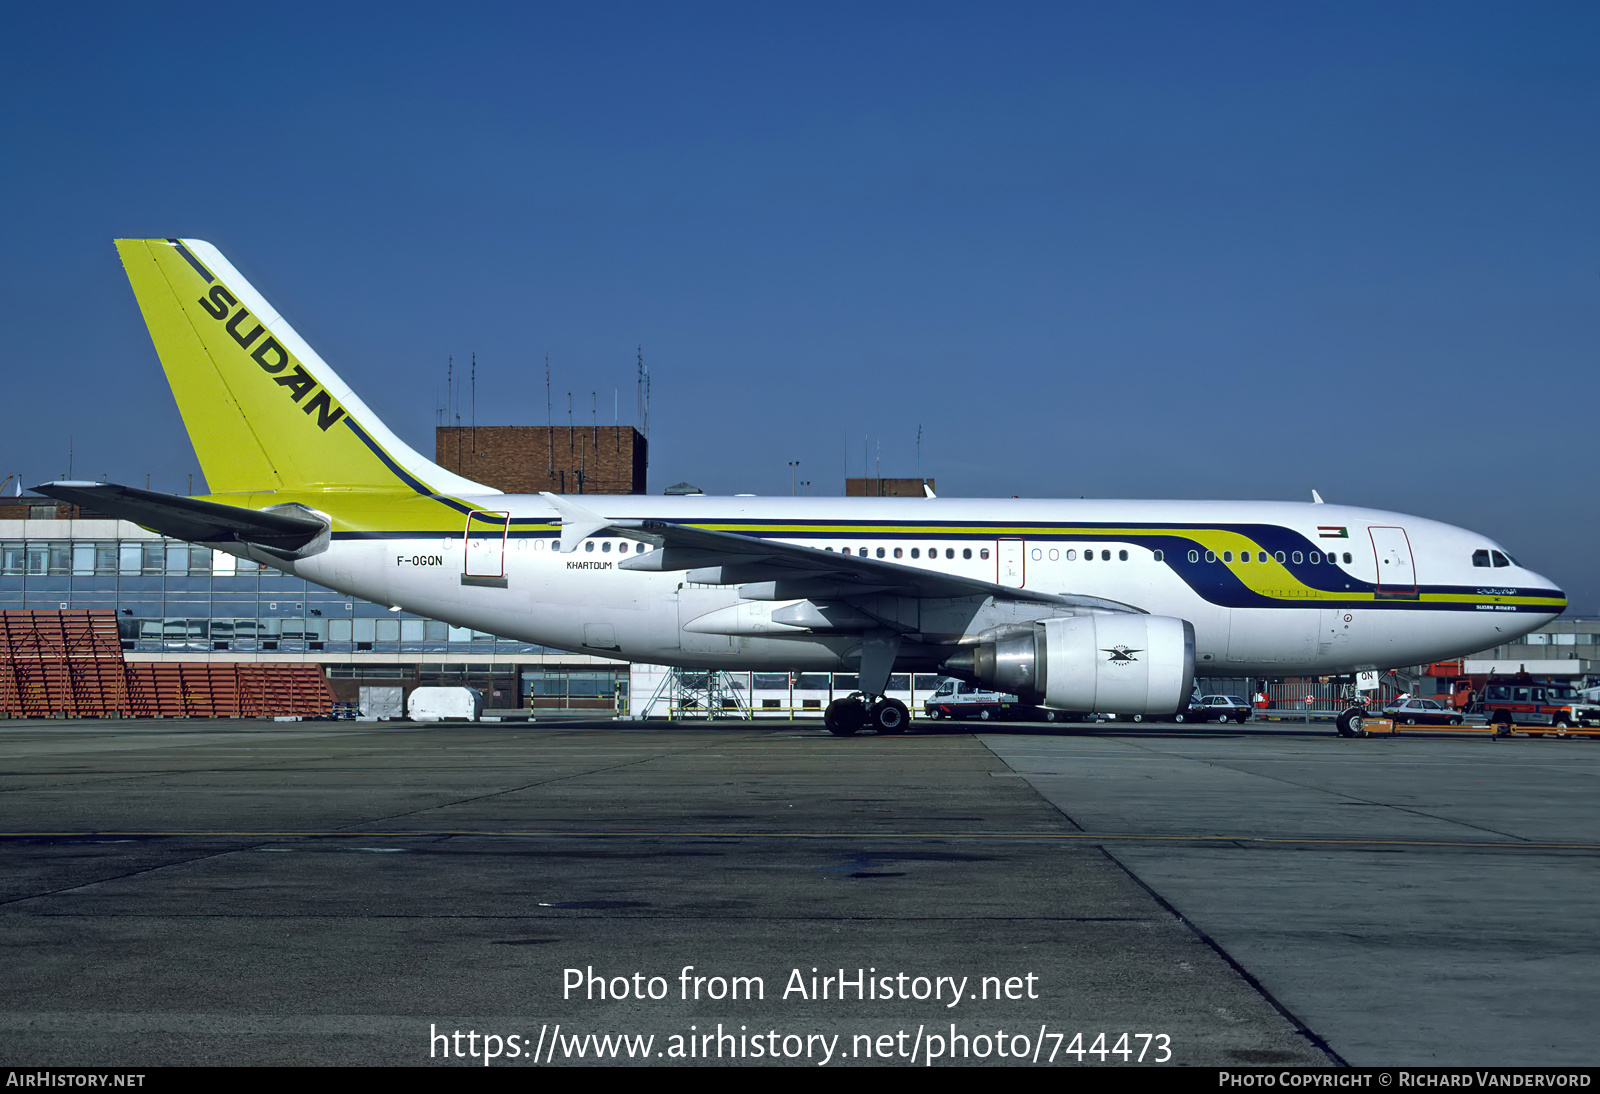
[846, 717]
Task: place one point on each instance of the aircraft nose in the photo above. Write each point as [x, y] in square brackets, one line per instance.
[1547, 591]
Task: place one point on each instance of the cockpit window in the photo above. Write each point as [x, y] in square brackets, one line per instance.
[1480, 557]
[1499, 559]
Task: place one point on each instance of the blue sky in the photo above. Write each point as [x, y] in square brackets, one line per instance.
[1133, 250]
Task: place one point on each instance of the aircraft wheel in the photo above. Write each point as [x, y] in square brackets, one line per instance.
[845, 717]
[890, 716]
[1351, 723]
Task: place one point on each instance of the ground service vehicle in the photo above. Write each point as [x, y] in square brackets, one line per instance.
[1110, 606]
[958, 699]
[1528, 702]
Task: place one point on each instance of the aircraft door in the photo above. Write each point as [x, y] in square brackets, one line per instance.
[483, 548]
[1397, 572]
[1013, 568]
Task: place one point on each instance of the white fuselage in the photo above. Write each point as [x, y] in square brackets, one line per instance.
[1271, 588]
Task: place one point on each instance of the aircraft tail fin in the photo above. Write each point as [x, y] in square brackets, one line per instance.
[263, 410]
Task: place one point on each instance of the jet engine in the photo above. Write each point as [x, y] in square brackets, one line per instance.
[1111, 663]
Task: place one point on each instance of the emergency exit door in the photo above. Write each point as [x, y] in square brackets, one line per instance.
[483, 549]
[1013, 568]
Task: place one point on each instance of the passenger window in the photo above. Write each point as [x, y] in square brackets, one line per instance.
[1194, 556]
[1244, 556]
[1211, 556]
[1037, 554]
[1105, 556]
[1279, 557]
[623, 546]
[1347, 557]
[588, 545]
[880, 552]
[1160, 556]
[966, 552]
[914, 553]
[1315, 558]
[1072, 556]
[1122, 555]
[897, 552]
[1297, 557]
[606, 546]
[984, 553]
[949, 552]
[1227, 556]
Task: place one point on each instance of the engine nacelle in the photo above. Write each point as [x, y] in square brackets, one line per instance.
[1110, 663]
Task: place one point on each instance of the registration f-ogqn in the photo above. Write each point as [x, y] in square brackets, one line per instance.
[1111, 606]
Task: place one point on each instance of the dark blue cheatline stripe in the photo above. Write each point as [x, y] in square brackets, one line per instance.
[404, 476]
[192, 260]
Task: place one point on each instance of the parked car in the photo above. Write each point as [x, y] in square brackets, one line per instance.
[1215, 708]
[1425, 712]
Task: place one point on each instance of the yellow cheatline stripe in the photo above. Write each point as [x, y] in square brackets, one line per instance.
[1063, 837]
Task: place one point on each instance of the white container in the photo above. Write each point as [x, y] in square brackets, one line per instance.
[445, 704]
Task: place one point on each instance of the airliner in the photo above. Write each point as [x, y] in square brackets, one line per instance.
[1109, 606]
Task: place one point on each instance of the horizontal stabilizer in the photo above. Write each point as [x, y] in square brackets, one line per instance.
[190, 519]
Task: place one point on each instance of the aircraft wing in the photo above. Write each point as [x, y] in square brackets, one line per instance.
[772, 570]
[286, 528]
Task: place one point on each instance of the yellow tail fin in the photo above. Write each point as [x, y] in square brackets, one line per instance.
[263, 411]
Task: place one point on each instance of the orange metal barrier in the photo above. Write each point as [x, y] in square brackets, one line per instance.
[69, 664]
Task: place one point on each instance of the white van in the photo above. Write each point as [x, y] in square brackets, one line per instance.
[958, 699]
